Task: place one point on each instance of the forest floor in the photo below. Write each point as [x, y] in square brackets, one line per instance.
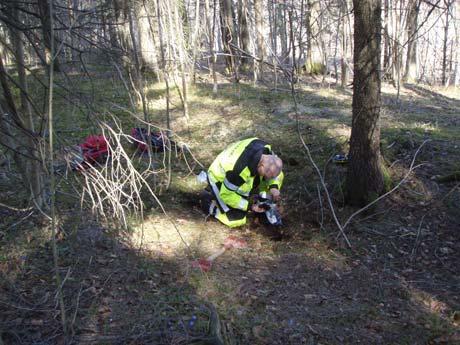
[399, 283]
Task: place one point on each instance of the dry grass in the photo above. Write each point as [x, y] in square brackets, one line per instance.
[306, 289]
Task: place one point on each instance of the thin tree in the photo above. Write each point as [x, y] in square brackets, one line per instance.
[243, 31]
[365, 175]
[228, 32]
[444, 77]
[260, 44]
[211, 37]
[47, 36]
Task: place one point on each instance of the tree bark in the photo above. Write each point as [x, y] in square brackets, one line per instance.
[445, 43]
[22, 141]
[228, 32]
[387, 43]
[365, 176]
[344, 62]
[211, 30]
[243, 31]
[410, 73]
[309, 55]
[259, 26]
[46, 30]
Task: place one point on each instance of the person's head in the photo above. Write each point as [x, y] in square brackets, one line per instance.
[269, 166]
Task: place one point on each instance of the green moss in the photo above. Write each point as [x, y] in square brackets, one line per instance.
[387, 180]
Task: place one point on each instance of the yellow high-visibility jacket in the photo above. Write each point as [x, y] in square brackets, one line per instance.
[233, 174]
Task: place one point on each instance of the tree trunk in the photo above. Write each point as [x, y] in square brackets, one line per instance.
[163, 64]
[283, 30]
[387, 43]
[182, 63]
[445, 43]
[309, 54]
[139, 81]
[228, 32]
[456, 76]
[211, 30]
[365, 176]
[259, 26]
[344, 62]
[410, 73]
[243, 31]
[46, 30]
[195, 41]
[20, 140]
[33, 174]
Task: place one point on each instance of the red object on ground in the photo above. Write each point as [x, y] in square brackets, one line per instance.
[229, 243]
[95, 149]
[202, 264]
[234, 242]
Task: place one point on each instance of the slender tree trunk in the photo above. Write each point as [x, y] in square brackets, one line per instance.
[72, 8]
[211, 30]
[456, 76]
[137, 64]
[300, 37]
[195, 37]
[445, 43]
[163, 64]
[344, 63]
[283, 30]
[32, 171]
[410, 73]
[259, 26]
[182, 63]
[387, 43]
[365, 176]
[228, 32]
[243, 31]
[46, 30]
[309, 55]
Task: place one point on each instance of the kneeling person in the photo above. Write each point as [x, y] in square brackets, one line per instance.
[245, 166]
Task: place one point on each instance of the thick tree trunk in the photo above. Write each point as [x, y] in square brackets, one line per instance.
[365, 177]
[410, 73]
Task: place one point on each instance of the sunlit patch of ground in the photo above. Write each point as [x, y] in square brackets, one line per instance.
[308, 288]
